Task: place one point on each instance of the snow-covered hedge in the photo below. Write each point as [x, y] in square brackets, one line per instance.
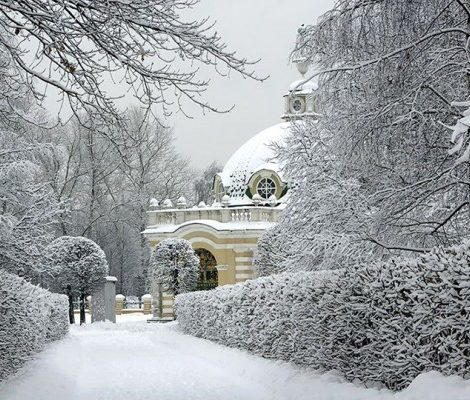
[382, 323]
[30, 317]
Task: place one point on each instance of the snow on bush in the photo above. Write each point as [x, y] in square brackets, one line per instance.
[174, 265]
[30, 317]
[383, 323]
[80, 268]
[78, 262]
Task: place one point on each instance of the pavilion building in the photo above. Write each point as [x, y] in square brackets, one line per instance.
[249, 195]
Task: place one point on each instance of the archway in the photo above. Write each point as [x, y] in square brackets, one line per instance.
[208, 278]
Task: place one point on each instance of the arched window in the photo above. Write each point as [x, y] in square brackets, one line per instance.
[266, 188]
[208, 278]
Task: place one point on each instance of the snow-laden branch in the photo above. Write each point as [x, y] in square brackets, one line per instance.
[145, 46]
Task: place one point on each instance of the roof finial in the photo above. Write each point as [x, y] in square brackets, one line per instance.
[298, 57]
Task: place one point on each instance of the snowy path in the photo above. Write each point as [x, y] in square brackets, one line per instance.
[139, 361]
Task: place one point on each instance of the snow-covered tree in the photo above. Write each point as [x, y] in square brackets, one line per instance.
[146, 44]
[175, 266]
[203, 184]
[28, 208]
[80, 267]
[151, 168]
[398, 83]
[104, 186]
[377, 174]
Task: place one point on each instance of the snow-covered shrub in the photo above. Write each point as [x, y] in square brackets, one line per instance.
[405, 317]
[30, 317]
[174, 265]
[270, 256]
[79, 266]
[275, 316]
[383, 323]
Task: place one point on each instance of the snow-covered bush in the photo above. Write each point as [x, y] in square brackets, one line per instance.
[271, 256]
[383, 323]
[80, 268]
[30, 317]
[174, 265]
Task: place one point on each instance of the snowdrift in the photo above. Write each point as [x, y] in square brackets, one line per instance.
[383, 323]
[30, 317]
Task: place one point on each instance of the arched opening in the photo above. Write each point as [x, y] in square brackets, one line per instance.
[208, 278]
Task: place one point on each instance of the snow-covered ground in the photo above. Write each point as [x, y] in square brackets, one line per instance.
[139, 361]
[132, 317]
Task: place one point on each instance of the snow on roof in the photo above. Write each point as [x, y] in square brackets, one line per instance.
[216, 225]
[270, 166]
[302, 86]
[250, 156]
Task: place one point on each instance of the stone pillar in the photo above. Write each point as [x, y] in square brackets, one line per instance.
[88, 304]
[119, 303]
[157, 301]
[103, 302]
[110, 298]
[162, 309]
[147, 302]
[168, 300]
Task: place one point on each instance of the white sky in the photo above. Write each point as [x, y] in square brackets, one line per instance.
[263, 29]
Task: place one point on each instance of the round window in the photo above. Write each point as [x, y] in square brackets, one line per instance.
[266, 188]
[297, 105]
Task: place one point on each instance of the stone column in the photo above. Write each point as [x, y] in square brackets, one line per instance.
[168, 310]
[88, 304]
[110, 298]
[147, 301]
[119, 303]
[103, 301]
[157, 301]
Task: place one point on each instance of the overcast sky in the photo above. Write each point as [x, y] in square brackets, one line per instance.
[263, 29]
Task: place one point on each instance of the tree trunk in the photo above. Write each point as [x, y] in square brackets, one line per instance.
[82, 308]
[175, 282]
[70, 296]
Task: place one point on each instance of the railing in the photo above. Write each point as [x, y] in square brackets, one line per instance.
[235, 214]
[206, 285]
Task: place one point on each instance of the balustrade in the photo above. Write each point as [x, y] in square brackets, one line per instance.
[235, 214]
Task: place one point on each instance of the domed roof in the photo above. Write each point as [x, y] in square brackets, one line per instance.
[251, 157]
